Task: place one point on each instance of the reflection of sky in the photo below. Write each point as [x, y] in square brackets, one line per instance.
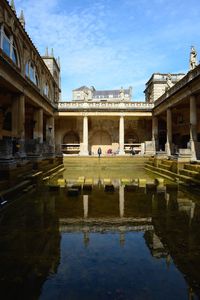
[114, 43]
[105, 270]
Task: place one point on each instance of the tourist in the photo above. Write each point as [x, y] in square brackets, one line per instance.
[99, 152]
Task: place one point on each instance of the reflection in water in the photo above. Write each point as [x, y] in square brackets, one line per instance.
[123, 245]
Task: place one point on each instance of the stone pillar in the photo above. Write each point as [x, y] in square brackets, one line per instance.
[121, 201]
[168, 145]
[193, 127]
[21, 125]
[21, 117]
[121, 136]
[155, 133]
[84, 150]
[58, 137]
[38, 130]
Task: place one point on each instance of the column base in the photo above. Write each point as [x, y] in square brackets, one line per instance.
[193, 146]
[121, 153]
[168, 149]
[85, 153]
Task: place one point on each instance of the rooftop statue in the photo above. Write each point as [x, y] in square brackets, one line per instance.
[193, 58]
[121, 93]
[169, 81]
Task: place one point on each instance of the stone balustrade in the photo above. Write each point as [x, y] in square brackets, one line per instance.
[96, 105]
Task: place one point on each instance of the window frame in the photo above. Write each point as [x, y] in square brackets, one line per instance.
[5, 35]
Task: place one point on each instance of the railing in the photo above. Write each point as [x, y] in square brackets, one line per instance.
[76, 105]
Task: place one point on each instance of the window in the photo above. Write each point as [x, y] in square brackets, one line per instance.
[46, 90]
[31, 72]
[7, 44]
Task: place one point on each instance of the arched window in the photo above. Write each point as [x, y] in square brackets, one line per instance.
[31, 72]
[46, 89]
[8, 45]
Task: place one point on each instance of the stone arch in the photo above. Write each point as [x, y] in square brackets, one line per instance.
[131, 137]
[71, 137]
[100, 138]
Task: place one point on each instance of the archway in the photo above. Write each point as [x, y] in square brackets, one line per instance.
[71, 143]
[100, 138]
[131, 137]
[71, 137]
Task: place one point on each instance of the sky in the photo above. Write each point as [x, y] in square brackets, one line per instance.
[111, 44]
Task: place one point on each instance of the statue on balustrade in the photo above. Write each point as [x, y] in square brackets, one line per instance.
[169, 81]
[193, 58]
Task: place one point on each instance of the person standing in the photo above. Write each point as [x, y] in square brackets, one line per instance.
[99, 152]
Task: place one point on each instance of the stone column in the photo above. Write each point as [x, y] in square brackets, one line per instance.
[38, 130]
[84, 150]
[168, 145]
[58, 137]
[193, 127]
[121, 201]
[155, 133]
[21, 125]
[21, 117]
[121, 136]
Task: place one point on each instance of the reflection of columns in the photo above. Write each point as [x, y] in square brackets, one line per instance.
[169, 132]
[121, 135]
[122, 238]
[85, 136]
[193, 126]
[38, 130]
[86, 238]
[85, 205]
[155, 133]
[121, 201]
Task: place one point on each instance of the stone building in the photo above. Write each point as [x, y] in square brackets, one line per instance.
[158, 84]
[31, 110]
[29, 93]
[91, 94]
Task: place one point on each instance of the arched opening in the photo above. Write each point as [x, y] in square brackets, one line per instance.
[131, 137]
[31, 72]
[8, 45]
[71, 143]
[100, 138]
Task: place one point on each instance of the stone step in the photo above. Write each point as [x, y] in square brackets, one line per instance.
[166, 167]
[171, 175]
[166, 162]
[192, 167]
[188, 173]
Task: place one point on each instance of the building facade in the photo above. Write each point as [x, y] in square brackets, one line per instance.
[29, 93]
[31, 110]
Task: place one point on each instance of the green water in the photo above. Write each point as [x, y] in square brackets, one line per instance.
[124, 244]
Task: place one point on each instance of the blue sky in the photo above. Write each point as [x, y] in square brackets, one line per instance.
[114, 43]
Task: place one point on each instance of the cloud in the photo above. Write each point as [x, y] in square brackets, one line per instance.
[109, 43]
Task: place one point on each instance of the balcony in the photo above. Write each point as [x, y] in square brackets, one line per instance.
[112, 106]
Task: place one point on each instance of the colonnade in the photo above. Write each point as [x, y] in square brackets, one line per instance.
[169, 132]
[84, 151]
[18, 112]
